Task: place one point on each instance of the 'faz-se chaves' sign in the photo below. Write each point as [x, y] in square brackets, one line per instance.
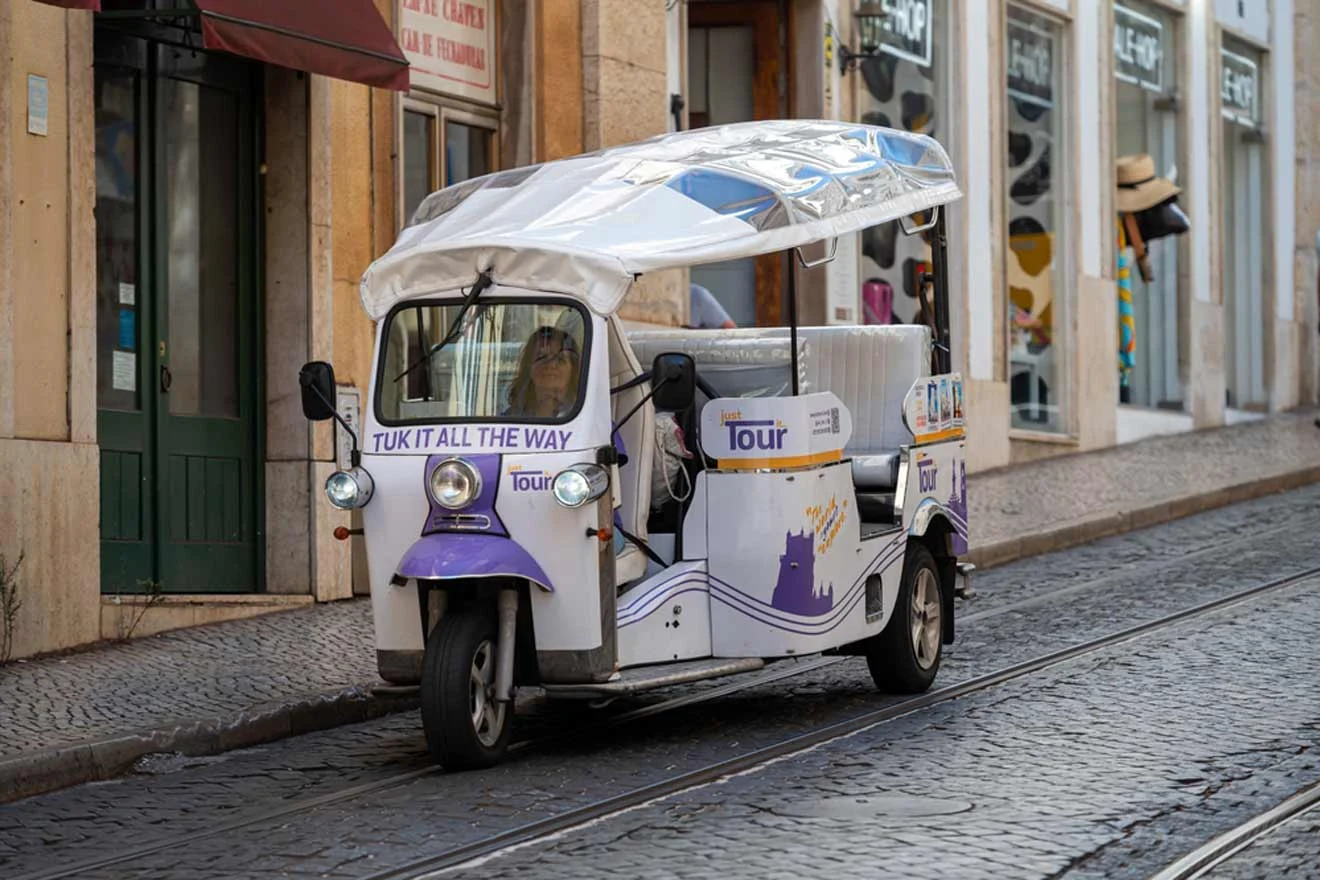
[451, 46]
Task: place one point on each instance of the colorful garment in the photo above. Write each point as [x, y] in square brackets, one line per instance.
[1127, 326]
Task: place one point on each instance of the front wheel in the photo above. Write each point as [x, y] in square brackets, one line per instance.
[465, 727]
[905, 656]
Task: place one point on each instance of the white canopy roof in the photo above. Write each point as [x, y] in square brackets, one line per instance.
[587, 225]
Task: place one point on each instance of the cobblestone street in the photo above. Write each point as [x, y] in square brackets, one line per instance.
[659, 439]
[1112, 764]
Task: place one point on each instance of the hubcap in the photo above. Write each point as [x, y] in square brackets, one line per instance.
[926, 629]
[487, 714]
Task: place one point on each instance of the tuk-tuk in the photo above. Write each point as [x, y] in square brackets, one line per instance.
[542, 508]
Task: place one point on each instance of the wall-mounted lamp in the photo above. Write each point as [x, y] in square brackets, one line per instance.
[869, 19]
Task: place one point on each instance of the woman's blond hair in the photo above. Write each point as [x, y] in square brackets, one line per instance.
[522, 392]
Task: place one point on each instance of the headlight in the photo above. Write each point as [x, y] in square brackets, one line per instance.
[455, 483]
[349, 489]
[575, 486]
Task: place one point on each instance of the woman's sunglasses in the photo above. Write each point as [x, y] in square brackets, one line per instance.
[559, 357]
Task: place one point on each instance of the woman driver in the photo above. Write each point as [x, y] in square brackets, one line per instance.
[546, 384]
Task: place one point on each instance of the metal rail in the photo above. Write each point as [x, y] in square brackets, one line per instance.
[1220, 849]
[431, 866]
[779, 672]
[306, 805]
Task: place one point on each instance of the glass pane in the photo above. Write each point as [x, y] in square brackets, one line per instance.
[721, 82]
[1036, 301]
[904, 87]
[1243, 208]
[200, 135]
[418, 160]
[467, 152]
[117, 297]
[518, 361]
[1146, 123]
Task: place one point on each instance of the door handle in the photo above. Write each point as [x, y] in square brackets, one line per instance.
[166, 378]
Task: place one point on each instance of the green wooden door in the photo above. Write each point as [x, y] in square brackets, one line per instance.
[177, 318]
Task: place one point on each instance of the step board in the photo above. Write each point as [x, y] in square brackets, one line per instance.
[644, 678]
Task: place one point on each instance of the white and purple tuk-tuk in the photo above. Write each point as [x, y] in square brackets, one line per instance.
[543, 508]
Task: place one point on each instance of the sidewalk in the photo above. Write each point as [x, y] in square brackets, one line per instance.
[84, 716]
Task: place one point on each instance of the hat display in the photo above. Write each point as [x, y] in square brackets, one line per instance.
[1138, 187]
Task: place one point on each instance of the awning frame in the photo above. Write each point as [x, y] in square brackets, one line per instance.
[150, 14]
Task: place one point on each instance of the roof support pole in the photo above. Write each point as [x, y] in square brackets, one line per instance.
[940, 256]
[793, 322]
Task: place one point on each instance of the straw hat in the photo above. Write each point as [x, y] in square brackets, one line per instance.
[1138, 187]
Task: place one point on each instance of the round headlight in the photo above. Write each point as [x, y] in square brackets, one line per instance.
[455, 483]
[579, 484]
[349, 489]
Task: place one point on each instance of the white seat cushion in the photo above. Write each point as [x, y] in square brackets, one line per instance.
[629, 565]
[875, 472]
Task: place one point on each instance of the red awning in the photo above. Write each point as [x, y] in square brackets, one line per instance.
[345, 39]
[94, 5]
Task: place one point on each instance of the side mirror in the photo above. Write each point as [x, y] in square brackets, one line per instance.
[673, 381]
[317, 379]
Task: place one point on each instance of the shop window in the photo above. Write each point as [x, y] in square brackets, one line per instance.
[442, 147]
[467, 151]
[1146, 121]
[1037, 231]
[419, 176]
[1243, 212]
[906, 87]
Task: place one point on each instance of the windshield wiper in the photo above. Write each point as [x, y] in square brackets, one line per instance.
[456, 328]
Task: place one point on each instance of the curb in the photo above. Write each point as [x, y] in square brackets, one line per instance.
[40, 772]
[1083, 532]
[94, 760]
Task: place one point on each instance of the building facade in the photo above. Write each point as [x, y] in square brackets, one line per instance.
[184, 219]
[1037, 100]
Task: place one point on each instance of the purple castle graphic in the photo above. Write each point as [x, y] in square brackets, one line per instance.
[795, 591]
[958, 505]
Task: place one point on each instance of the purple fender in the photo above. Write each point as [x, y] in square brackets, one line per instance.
[449, 556]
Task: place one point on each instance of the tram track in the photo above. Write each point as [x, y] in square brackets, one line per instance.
[1214, 852]
[626, 800]
[494, 845]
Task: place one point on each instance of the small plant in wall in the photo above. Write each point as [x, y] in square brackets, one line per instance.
[10, 603]
[153, 593]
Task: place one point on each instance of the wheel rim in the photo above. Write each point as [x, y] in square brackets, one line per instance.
[926, 628]
[487, 714]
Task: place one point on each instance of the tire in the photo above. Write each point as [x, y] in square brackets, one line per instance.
[465, 728]
[905, 657]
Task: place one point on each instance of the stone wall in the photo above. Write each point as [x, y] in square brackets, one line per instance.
[625, 98]
[49, 466]
[1306, 35]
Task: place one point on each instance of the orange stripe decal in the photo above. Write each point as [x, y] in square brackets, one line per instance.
[791, 461]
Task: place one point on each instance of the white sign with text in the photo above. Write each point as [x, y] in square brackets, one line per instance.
[451, 47]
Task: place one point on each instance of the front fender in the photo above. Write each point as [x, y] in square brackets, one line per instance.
[447, 556]
[926, 513]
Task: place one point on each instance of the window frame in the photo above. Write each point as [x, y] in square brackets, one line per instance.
[1063, 162]
[441, 112]
[1179, 70]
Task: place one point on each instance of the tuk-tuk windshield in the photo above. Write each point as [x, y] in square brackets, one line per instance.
[516, 361]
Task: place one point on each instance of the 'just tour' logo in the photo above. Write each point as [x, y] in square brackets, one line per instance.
[746, 434]
[529, 481]
[926, 473]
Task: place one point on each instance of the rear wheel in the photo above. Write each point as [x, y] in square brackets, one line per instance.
[465, 727]
[905, 657]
